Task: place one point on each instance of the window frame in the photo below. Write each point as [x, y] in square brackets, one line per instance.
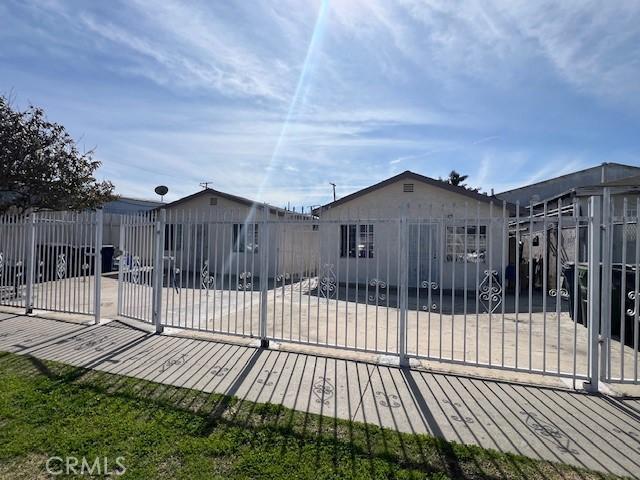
[455, 244]
[238, 244]
[357, 240]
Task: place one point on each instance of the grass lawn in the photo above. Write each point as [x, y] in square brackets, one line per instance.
[50, 409]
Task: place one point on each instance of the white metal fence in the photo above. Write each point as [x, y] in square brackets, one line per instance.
[551, 289]
[51, 261]
[511, 290]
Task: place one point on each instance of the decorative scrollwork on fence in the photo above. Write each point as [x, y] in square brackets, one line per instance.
[1, 262]
[490, 291]
[429, 284]
[61, 266]
[283, 277]
[244, 281]
[634, 297]
[207, 281]
[40, 269]
[328, 281]
[135, 269]
[434, 307]
[564, 294]
[380, 293]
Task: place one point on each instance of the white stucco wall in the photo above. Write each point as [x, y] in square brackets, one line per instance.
[426, 205]
[289, 241]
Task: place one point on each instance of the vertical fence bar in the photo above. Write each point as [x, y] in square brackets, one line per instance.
[595, 217]
[98, 264]
[606, 282]
[404, 275]
[120, 265]
[264, 275]
[158, 270]
[30, 262]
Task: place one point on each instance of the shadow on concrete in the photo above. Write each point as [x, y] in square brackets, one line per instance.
[231, 386]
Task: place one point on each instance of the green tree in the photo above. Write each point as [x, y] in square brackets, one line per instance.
[42, 167]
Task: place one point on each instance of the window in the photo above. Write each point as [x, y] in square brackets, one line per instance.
[407, 188]
[356, 238]
[476, 244]
[245, 237]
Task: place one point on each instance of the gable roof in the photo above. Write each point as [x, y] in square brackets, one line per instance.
[409, 175]
[211, 191]
[231, 197]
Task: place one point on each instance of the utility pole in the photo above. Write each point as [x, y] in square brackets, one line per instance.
[334, 190]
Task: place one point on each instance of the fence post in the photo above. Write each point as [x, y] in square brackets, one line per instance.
[120, 263]
[158, 269]
[403, 292]
[605, 286]
[97, 267]
[263, 246]
[595, 218]
[31, 262]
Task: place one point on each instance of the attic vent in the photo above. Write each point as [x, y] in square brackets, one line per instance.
[407, 187]
[213, 201]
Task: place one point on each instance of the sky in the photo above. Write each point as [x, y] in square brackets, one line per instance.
[273, 100]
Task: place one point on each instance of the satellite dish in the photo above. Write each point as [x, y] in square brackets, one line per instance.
[161, 190]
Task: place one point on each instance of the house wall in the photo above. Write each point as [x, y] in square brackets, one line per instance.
[208, 235]
[427, 205]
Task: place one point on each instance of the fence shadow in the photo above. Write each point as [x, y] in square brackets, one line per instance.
[228, 386]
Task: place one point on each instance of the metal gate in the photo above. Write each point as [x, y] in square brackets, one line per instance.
[136, 260]
[51, 261]
[491, 286]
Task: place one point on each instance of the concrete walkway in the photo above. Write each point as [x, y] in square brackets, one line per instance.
[597, 432]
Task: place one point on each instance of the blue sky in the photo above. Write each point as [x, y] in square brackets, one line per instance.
[274, 100]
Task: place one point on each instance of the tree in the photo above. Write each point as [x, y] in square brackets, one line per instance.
[42, 167]
[456, 179]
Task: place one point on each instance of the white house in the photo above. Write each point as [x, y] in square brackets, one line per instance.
[447, 227]
[227, 232]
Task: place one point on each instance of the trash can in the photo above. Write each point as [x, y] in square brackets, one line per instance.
[569, 275]
[618, 311]
[107, 258]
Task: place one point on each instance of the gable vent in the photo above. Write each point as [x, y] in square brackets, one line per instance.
[213, 201]
[407, 187]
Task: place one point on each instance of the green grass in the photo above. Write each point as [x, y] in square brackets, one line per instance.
[50, 409]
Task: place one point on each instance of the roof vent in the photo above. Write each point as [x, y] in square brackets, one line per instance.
[213, 201]
[407, 188]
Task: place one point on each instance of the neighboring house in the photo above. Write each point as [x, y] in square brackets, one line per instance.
[360, 232]
[227, 232]
[113, 210]
[546, 189]
[571, 194]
